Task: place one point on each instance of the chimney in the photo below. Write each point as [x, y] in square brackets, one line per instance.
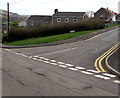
[56, 11]
[107, 7]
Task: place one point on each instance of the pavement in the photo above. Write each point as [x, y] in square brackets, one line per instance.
[112, 62]
[60, 70]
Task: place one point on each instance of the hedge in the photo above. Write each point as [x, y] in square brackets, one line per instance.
[48, 30]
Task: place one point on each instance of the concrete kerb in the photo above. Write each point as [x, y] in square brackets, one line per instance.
[81, 38]
[112, 70]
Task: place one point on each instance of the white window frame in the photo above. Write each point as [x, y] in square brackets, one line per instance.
[75, 20]
[67, 20]
[58, 19]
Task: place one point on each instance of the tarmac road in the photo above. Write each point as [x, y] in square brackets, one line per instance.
[61, 70]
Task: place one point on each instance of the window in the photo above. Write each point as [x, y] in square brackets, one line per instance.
[32, 23]
[75, 20]
[58, 19]
[101, 15]
[66, 20]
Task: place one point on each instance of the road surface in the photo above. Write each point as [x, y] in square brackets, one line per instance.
[61, 70]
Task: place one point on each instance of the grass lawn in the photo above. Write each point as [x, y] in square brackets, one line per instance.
[48, 39]
[54, 38]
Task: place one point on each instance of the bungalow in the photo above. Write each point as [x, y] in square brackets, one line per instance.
[65, 17]
[106, 14]
[35, 20]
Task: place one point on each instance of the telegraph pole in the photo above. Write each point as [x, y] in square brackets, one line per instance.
[8, 23]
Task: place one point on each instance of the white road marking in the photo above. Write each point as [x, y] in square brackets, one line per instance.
[36, 56]
[85, 72]
[60, 63]
[90, 70]
[42, 57]
[30, 57]
[46, 59]
[47, 62]
[110, 75]
[79, 67]
[69, 65]
[8, 50]
[58, 51]
[102, 77]
[62, 66]
[40, 60]
[53, 61]
[73, 69]
[117, 81]
[24, 55]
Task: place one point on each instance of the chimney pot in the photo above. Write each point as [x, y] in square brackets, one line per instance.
[56, 11]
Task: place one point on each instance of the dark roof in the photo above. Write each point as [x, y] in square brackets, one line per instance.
[69, 14]
[39, 16]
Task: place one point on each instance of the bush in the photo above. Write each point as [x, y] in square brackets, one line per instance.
[47, 30]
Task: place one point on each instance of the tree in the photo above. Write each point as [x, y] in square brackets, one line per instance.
[14, 24]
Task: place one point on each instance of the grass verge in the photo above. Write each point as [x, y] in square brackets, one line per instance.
[48, 39]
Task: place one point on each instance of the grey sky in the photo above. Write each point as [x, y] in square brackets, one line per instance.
[46, 7]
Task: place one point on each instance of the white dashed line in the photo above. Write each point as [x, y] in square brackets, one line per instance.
[46, 62]
[102, 77]
[85, 72]
[69, 65]
[30, 57]
[60, 63]
[117, 81]
[58, 51]
[79, 67]
[40, 60]
[73, 69]
[62, 66]
[46, 59]
[53, 61]
[90, 70]
[36, 56]
[42, 57]
[110, 75]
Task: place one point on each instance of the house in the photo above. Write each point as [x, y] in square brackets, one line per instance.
[65, 17]
[57, 17]
[118, 18]
[35, 20]
[105, 14]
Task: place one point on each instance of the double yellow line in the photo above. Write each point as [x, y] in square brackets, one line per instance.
[98, 62]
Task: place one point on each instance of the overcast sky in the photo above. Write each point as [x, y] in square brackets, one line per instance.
[46, 7]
